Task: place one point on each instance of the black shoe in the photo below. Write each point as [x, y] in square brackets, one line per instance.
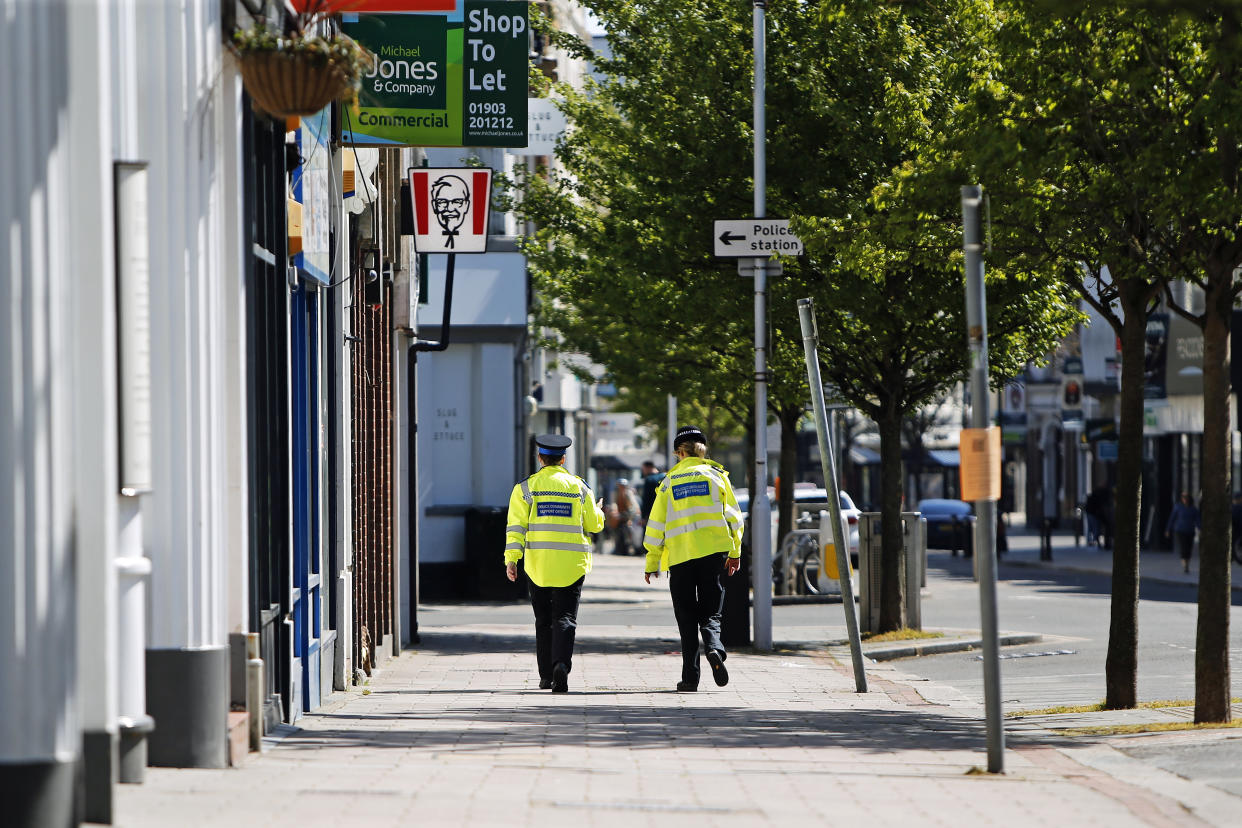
[686, 687]
[719, 673]
[545, 684]
[560, 679]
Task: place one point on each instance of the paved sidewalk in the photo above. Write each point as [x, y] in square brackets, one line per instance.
[455, 733]
[1157, 566]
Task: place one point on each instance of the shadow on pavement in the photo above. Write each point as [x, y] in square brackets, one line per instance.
[547, 721]
[532, 718]
[1066, 581]
[477, 641]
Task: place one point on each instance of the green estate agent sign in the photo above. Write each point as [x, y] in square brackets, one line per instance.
[444, 79]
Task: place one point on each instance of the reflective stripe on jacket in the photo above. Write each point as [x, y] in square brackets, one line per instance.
[550, 514]
[695, 515]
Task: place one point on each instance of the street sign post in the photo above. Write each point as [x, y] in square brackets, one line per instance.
[760, 509]
[750, 238]
[985, 508]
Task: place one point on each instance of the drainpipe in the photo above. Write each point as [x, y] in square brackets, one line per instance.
[133, 570]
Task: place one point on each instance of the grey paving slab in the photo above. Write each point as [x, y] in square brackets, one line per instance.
[454, 732]
[1157, 566]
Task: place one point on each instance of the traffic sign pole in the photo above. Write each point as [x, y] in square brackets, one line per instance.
[985, 509]
[760, 509]
[828, 464]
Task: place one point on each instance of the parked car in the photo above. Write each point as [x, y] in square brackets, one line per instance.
[808, 495]
[948, 523]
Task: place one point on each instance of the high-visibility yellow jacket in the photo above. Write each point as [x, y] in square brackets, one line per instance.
[695, 515]
[550, 514]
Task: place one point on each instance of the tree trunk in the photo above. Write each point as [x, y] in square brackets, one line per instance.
[1121, 664]
[892, 566]
[1212, 634]
[789, 417]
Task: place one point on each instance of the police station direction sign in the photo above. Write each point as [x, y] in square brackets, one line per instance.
[759, 238]
[454, 75]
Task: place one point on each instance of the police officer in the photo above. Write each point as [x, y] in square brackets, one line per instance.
[550, 514]
[695, 532]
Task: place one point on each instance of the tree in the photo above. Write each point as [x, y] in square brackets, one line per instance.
[914, 430]
[622, 256]
[886, 266]
[662, 145]
[1094, 109]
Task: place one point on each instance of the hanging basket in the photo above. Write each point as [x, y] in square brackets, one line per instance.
[284, 84]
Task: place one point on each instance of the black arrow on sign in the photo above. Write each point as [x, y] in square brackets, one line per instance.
[728, 237]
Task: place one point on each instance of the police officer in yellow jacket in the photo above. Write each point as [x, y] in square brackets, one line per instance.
[695, 532]
[550, 515]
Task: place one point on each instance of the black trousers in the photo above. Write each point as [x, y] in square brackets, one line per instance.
[1184, 542]
[698, 598]
[556, 623]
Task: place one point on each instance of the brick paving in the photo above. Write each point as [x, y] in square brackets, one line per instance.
[455, 732]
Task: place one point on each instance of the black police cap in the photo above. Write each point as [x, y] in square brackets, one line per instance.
[553, 443]
[688, 434]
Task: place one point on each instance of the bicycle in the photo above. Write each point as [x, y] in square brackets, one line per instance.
[796, 565]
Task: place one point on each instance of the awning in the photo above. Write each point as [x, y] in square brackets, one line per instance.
[605, 462]
[944, 457]
[862, 456]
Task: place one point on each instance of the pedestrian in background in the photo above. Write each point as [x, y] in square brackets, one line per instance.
[695, 532]
[1182, 525]
[551, 516]
[652, 477]
[626, 505]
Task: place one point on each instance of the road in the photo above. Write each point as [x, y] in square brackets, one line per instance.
[1071, 609]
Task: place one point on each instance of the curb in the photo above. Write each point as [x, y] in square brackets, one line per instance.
[787, 600]
[938, 647]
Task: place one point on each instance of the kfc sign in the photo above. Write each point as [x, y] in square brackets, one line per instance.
[451, 207]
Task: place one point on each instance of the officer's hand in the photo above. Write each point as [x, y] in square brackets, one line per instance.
[732, 565]
[511, 571]
[599, 504]
[647, 576]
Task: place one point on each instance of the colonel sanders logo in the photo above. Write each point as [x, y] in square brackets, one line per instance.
[450, 201]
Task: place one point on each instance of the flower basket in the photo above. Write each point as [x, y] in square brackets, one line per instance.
[285, 83]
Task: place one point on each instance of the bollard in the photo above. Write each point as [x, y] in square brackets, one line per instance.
[1045, 540]
[735, 612]
[255, 688]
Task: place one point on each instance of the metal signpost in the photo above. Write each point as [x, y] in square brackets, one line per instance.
[761, 510]
[985, 509]
[754, 241]
[810, 343]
